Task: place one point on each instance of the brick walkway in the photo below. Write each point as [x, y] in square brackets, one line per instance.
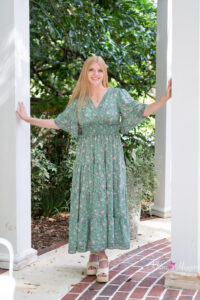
[138, 274]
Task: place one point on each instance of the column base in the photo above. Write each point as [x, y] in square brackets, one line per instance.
[20, 260]
[184, 280]
[160, 212]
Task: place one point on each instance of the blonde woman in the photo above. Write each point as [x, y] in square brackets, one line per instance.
[98, 211]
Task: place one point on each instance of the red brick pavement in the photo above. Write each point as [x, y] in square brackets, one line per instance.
[137, 274]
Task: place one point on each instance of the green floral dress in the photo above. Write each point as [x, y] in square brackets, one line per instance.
[98, 211]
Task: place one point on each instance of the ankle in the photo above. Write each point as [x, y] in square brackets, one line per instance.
[102, 254]
[93, 254]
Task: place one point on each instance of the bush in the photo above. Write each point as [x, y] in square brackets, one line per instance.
[139, 154]
[53, 153]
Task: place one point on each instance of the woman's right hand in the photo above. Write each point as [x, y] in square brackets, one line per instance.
[46, 123]
[22, 111]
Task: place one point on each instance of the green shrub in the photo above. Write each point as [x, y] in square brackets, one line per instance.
[139, 155]
[53, 153]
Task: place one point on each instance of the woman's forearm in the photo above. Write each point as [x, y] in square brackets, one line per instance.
[46, 123]
[153, 107]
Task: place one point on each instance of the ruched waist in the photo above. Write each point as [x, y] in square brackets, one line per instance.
[96, 129]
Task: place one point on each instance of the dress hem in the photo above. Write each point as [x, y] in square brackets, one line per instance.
[97, 250]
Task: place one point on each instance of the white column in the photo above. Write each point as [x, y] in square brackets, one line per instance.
[185, 145]
[15, 183]
[162, 203]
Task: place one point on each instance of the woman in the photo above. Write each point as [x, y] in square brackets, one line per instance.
[98, 211]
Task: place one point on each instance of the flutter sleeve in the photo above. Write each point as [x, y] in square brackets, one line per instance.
[66, 120]
[131, 111]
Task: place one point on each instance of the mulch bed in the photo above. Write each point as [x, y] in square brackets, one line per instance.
[48, 231]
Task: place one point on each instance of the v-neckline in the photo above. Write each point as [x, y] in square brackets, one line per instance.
[101, 99]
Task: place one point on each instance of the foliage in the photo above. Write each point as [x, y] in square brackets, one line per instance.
[142, 180]
[53, 155]
[64, 33]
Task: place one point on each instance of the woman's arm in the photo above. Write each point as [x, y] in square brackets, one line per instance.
[153, 107]
[46, 123]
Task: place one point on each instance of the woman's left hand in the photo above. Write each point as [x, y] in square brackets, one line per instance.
[168, 93]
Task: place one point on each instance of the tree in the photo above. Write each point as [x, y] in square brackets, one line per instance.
[64, 33]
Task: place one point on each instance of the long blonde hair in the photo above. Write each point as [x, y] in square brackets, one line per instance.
[81, 90]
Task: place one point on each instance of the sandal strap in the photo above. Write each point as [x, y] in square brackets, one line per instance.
[101, 259]
[92, 264]
[102, 270]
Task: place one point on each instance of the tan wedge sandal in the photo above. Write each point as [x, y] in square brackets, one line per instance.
[103, 270]
[94, 264]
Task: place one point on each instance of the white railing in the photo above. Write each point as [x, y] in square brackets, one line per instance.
[7, 282]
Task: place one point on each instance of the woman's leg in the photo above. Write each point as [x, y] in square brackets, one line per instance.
[104, 263]
[93, 257]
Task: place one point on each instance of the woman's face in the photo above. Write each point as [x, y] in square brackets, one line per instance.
[95, 74]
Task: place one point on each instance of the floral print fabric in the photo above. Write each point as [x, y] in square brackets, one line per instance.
[98, 209]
